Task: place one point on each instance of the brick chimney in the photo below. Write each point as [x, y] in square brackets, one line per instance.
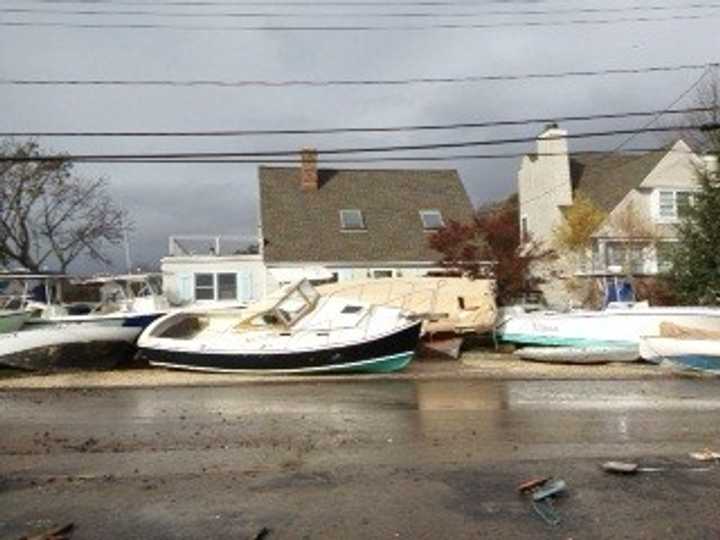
[308, 169]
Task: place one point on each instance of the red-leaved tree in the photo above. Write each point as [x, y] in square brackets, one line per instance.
[490, 246]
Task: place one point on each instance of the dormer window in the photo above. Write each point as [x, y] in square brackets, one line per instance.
[352, 220]
[431, 220]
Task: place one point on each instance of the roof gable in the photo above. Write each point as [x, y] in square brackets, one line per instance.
[606, 178]
[301, 226]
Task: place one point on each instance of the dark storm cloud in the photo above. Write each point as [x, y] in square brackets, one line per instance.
[196, 199]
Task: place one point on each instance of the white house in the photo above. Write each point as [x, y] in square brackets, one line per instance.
[214, 272]
[642, 195]
[326, 225]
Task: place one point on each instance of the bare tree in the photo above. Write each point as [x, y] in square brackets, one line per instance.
[707, 96]
[48, 215]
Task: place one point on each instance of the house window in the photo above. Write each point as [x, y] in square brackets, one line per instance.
[204, 287]
[226, 286]
[431, 219]
[673, 204]
[352, 220]
[524, 235]
[380, 274]
[210, 286]
[630, 256]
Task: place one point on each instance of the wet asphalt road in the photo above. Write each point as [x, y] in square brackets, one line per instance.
[395, 459]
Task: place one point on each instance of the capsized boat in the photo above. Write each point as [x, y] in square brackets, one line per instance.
[683, 347]
[618, 323]
[66, 346]
[580, 355]
[295, 330]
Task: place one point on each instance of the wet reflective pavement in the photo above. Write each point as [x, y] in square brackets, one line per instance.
[413, 459]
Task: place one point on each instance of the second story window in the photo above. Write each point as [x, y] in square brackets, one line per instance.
[352, 220]
[672, 204]
[432, 220]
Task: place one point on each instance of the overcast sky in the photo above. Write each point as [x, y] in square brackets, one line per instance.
[201, 198]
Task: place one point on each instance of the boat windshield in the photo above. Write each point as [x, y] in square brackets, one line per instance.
[283, 308]
[293, 307]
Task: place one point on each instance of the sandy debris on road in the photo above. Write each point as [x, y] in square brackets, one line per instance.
[473, 365]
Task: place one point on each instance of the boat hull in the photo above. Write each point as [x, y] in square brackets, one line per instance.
[580, 355]
[12, 321]
[601, 328]
[698, 354]
[387, 353]
[85, 342]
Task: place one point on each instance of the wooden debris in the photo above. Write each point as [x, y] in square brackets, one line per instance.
[705, 455]
[543, 491]
[620, 467]
[532, 484]
[556, 487]
[58, 533]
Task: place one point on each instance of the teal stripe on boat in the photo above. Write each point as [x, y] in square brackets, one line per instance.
[557, 341]
[385, 364]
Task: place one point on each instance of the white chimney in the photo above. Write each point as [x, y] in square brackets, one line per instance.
[553, 141]
[711, 165]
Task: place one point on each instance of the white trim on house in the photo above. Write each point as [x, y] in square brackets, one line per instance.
[657, 203]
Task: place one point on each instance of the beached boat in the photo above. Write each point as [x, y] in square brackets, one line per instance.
[127, 305]
[295, 330]
[127, 301]
[683, 347]
[447, 305]
[619, 323]
[57, 346]
[12, 320]
[580, 355]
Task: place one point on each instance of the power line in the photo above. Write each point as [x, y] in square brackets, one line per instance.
[356, 28]
[377, 14]
[632, 136]
[362, 160]
[327, 131]
[660, 114]
[340, 151]
[282, 3]
[352, 82]
[388, 159]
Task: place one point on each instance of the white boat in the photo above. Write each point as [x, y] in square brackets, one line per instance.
[127, 305]
[295, 330]
[126, 301]
[41, 348]
[682, 347]
[619, 323]
[580, 355]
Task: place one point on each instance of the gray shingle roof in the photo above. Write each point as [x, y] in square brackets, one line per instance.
[303, 226]
[605, 178]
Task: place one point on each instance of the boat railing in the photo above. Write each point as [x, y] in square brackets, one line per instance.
[411, 296]
[212, 245]
[13, 301]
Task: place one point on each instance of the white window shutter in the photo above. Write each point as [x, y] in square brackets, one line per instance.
[245, 286]
[655, 204]
[185, 287]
